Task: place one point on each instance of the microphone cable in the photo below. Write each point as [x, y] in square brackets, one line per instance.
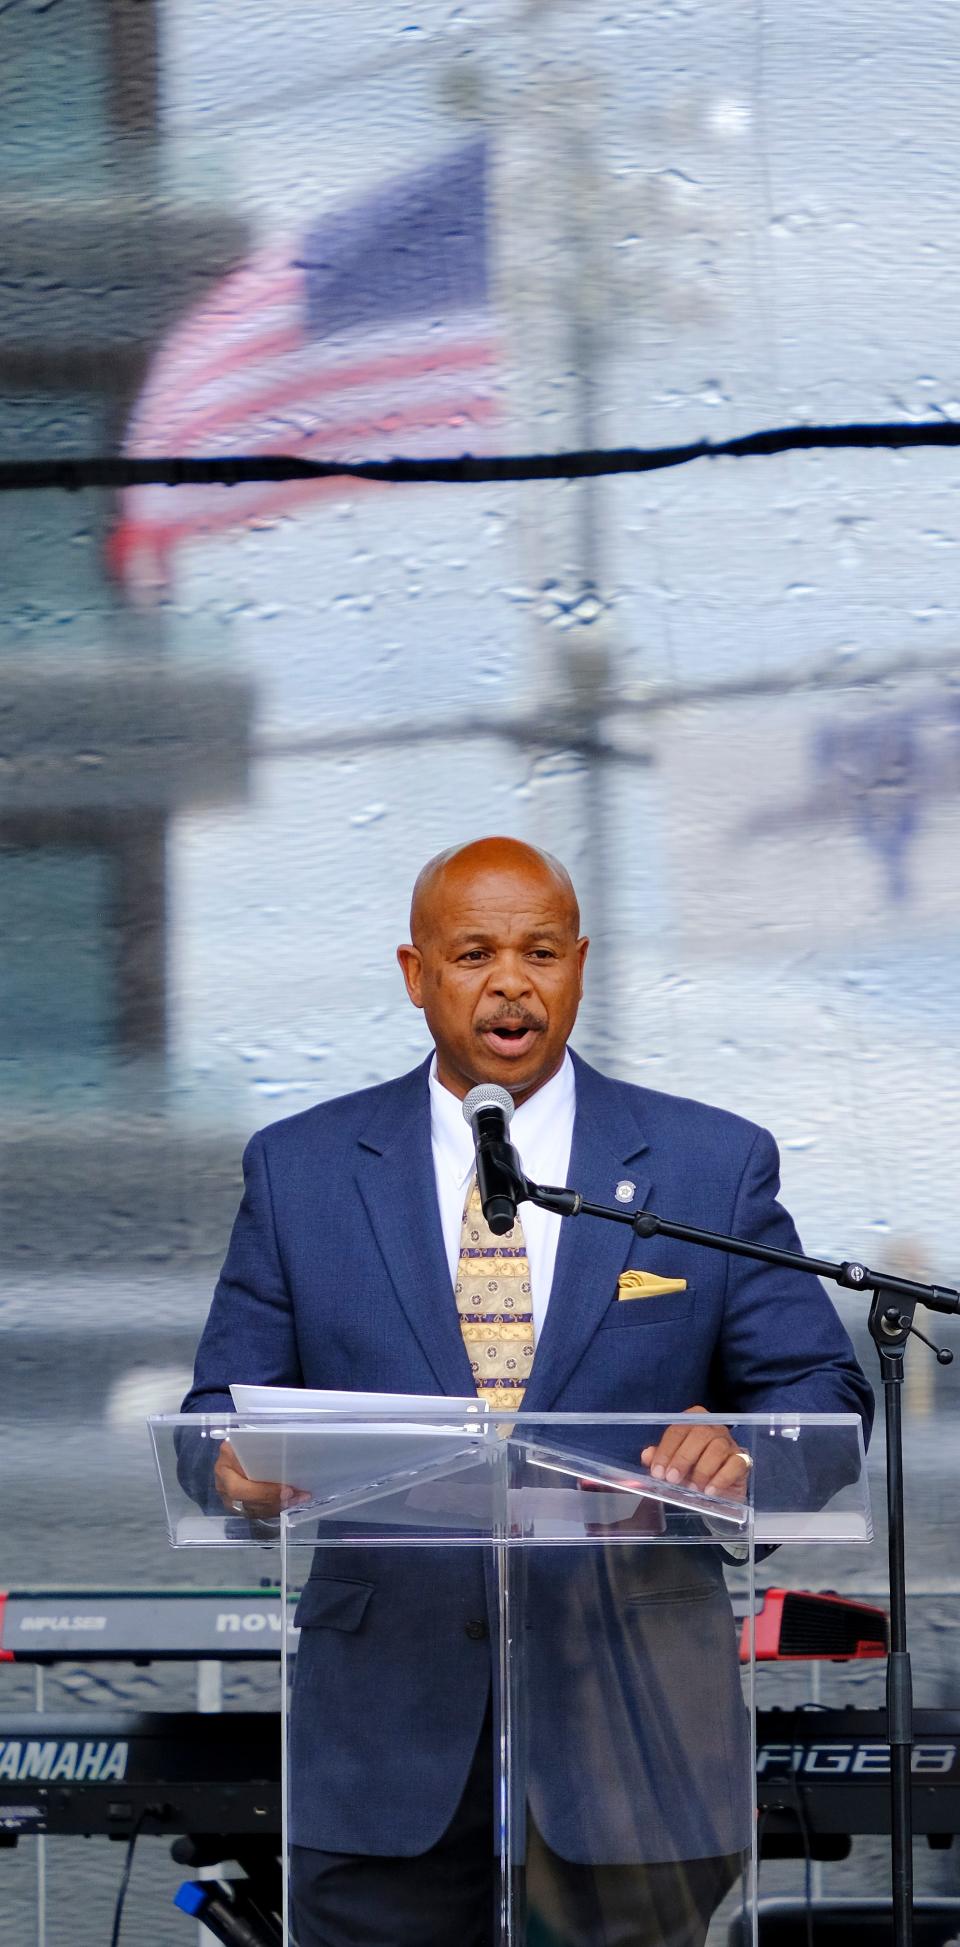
[146, 1812]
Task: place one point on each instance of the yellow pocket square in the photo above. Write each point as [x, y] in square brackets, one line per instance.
[646, 1284]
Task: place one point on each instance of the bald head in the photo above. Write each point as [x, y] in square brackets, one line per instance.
[496, 963]
[482, 860]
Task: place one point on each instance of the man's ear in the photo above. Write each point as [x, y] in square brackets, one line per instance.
[583, 947]
[411, 966]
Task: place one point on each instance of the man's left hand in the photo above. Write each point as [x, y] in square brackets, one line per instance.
[706, 1457]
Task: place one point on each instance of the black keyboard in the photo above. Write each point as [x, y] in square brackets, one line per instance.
[820, 1773]
[171, 1771]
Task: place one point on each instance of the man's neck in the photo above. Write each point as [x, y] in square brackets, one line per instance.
[460, 1089]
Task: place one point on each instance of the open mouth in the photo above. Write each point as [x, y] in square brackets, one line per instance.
[510, 1039]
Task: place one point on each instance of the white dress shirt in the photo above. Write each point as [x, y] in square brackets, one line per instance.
[542, 1133]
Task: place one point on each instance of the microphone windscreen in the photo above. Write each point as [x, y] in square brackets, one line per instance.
[487, 1095]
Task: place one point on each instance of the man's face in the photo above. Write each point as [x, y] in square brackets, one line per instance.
[498, 971]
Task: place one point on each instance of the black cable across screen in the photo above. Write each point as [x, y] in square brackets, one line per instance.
[19, 476]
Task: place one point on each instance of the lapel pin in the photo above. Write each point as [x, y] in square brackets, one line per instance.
[624, 1191]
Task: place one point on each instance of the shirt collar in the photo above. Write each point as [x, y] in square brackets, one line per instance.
[536, 1120]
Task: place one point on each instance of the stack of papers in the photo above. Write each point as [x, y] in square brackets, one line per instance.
[350, 1441]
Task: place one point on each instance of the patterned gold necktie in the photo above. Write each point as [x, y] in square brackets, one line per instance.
[495, 1307]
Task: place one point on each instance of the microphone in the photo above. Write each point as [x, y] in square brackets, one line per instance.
[500, 1179]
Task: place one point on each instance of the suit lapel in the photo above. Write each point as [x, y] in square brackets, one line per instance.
[396, 1180]
[591, 1253]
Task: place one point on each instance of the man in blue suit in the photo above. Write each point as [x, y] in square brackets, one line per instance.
[350, 1267]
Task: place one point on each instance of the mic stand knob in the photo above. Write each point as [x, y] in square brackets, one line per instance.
[894, 1322]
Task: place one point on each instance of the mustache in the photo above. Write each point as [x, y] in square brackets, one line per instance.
[516, 1016]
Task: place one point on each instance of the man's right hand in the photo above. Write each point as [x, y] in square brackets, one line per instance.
[258, 1500]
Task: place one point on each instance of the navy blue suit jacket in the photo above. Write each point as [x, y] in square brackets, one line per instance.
[336, 1276]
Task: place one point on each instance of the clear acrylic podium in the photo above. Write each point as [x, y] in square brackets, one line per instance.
[459, 1576]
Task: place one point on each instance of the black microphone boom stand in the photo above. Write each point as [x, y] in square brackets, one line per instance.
[893, 1303]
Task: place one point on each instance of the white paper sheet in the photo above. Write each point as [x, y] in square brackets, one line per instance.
[306, 1399]
[340, 1449]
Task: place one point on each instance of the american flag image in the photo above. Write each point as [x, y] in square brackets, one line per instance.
[367, 337]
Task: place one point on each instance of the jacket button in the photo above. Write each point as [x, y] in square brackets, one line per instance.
[476, 1631]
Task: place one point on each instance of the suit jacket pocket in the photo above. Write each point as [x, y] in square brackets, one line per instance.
[665, 1308]
[673, 1575]
[327, 1602]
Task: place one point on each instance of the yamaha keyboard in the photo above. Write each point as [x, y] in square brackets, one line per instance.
[822, 1775]
[161, 1771]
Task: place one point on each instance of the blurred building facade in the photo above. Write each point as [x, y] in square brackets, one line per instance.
[109, 734]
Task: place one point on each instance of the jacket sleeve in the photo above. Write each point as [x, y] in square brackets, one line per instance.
[783, 1348]
[249, 1336]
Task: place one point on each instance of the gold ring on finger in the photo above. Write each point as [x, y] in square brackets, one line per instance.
[746, 1457]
